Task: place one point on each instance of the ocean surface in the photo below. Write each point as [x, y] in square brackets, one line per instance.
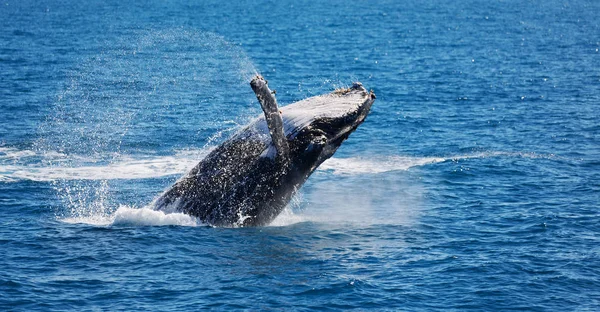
[473, 185]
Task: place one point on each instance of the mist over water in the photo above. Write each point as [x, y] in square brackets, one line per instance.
[140, 84]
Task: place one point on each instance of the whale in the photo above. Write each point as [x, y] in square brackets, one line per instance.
[250, 178]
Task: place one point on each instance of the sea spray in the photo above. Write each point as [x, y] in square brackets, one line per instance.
[139, 94]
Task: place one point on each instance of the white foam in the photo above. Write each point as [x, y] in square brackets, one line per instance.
[359, 165]
[90, 220]
[13, 153]
[126, 215]
[143, 167]
[145, 216]
[17, 165]
[127, 167]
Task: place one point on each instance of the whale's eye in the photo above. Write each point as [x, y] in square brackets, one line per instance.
[316, 144]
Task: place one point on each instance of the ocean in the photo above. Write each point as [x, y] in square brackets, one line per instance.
[473, 185]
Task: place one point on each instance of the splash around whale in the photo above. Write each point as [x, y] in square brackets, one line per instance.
[250, 178]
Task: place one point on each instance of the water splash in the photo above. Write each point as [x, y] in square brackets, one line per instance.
[131, 216]
[122, 101]
[146, 216]
[288, 217]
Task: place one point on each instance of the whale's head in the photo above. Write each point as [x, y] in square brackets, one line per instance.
[317, 126]
[314, 128]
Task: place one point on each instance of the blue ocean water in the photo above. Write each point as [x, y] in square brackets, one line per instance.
[474, 184]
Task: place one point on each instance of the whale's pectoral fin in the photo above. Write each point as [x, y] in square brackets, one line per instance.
[272, 116]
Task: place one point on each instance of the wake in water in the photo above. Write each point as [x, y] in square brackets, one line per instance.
[17, 165]
[85, 189]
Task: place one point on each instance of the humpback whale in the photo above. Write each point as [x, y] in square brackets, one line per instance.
[250, 178]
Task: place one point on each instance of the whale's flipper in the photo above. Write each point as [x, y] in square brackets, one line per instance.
[272, 116]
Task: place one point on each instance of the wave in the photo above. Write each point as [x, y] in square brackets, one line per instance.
[359, 165]
[17, 165]
[131, 216]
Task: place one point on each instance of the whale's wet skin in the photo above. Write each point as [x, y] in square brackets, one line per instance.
[250, 178]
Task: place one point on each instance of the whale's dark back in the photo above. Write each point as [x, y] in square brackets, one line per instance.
[241, 183]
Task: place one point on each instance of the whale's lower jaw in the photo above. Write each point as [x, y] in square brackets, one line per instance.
[242, 183]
